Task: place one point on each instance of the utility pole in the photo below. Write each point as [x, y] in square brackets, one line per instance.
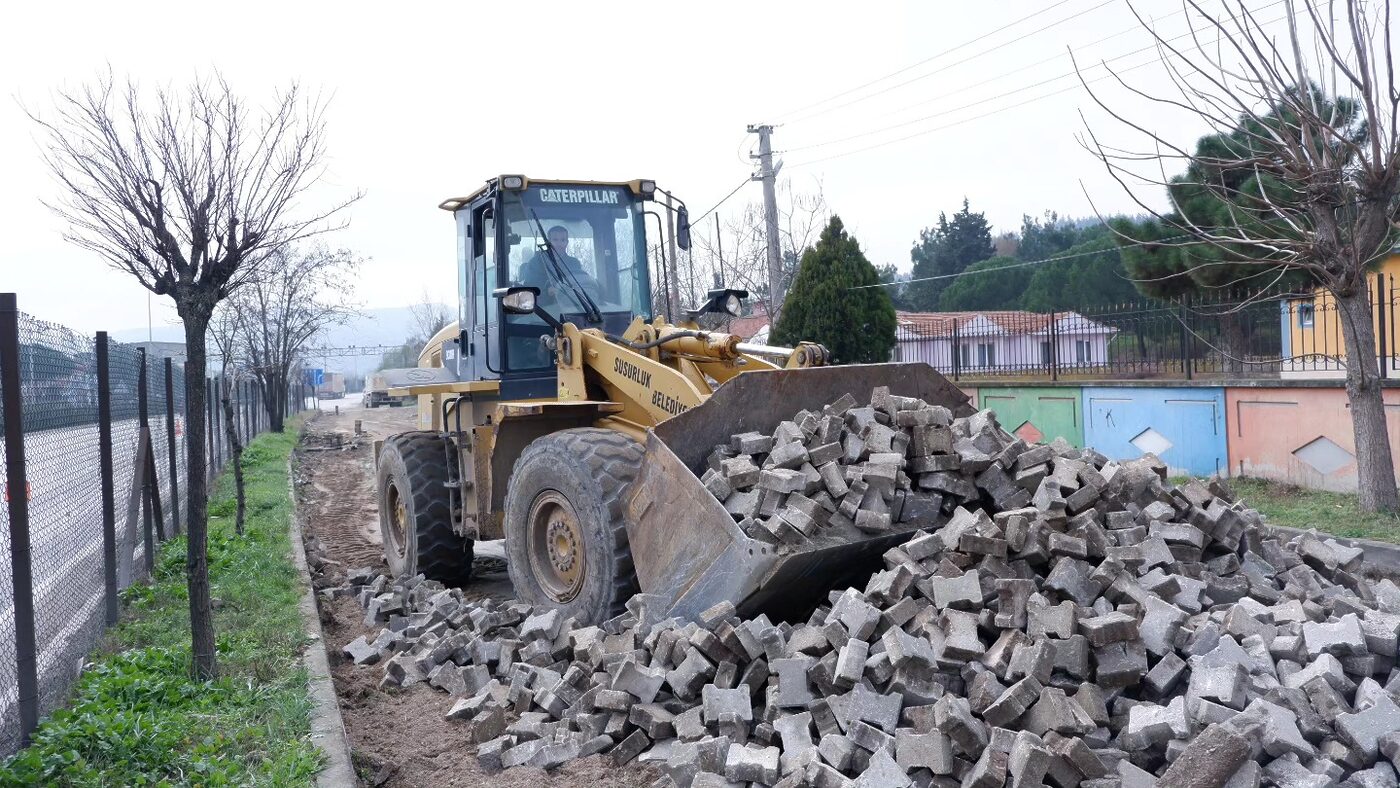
[769, 175]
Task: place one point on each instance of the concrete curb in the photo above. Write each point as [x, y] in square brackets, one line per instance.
[327, 728]
[1381, 556]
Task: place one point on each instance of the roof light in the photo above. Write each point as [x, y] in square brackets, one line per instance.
[450, 205]
[647, 188]
[513, 182]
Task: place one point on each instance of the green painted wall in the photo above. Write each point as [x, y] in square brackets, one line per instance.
[1037, 413]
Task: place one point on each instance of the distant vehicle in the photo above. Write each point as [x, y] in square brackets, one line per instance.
[332, 386]
[377, 393]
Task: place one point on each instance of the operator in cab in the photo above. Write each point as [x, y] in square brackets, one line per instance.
[540, 270]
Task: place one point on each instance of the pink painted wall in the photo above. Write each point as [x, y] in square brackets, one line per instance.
[1267, 425]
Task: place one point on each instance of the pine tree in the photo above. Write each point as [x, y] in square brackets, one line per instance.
[1224, 164]
[856, 325]
[949, 248]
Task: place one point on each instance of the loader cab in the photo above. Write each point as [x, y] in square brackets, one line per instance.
[583, 244]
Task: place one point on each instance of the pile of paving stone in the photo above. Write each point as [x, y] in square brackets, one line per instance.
[849, 471]
[1073, 622]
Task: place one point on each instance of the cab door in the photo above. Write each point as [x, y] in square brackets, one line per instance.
[480, 339]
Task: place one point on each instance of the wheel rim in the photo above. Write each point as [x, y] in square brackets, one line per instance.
[554, 541]
[398, 521]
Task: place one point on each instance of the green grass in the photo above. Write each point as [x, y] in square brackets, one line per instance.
[137, 718]
[1334, 513]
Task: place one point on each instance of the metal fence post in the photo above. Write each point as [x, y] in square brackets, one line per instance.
[211, 432]
[170, 441]
[957, 350]
[144, 420]
[1381, 327]
[104, 449]
[1054, 359]
[17, 491]
[1185, 348]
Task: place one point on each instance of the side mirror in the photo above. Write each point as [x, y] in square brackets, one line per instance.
[517, 300]
[683, 228]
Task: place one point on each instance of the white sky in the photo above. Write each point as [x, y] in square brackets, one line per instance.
[430, 99]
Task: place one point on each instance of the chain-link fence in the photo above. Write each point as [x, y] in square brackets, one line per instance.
[94, 437]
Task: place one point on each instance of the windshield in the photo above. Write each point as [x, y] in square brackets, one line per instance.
[598, 240]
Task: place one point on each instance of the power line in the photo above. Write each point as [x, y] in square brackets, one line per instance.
[1025, 264]
[954, 64]
[922, 132]
[999, 110]
[1012, 92]
[925, 60]
[722, 201]
[1053, 58]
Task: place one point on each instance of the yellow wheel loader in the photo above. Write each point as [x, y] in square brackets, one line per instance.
[561, 413]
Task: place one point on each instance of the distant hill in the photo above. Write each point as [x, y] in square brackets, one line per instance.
[387, 326]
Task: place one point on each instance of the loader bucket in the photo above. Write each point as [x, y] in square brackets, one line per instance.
[688, 550]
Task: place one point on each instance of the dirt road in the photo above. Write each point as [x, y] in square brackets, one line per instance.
[398, 739]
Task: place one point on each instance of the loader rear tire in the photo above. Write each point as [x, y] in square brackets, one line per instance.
[566, 533]
[415, 514]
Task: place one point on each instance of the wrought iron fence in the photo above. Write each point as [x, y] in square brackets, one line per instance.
[1252, 335]
[94, 464]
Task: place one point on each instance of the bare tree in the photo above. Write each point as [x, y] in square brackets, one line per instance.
[429, 317]
[189, 191]
[1304, 163]
[223, 328]
[737, 255]
[302, 292]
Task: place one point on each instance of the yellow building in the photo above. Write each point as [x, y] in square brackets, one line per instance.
[1312, 332]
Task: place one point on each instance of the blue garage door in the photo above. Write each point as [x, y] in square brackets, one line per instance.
[1185, 427]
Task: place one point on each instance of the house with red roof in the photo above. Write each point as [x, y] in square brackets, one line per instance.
[1002, 341]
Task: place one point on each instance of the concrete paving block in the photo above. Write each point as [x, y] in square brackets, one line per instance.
[751, 763]
[961, 638]
[1027, 762]
[883, 772]
[1165, 675]
[1012, 703]
[1364, 729]
[1034, 658]
[1210, 759]
[850, 664]
[1219, 682]
[1150, 725]
[932, 751]
[1343, 637]
[361, 652]
[717, 703]
[1280, 729]
[963, 592]
[641, 682]
[953, 716]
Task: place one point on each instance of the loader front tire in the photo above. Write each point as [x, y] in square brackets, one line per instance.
[415, 514]
[566, 535]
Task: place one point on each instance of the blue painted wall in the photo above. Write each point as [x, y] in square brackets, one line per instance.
[1191, 420]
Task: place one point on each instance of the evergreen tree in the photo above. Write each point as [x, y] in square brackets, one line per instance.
[990, 290]
[1222, 190]
[1095, 280]
[856, 325]
[1048, 237]
[948, 248]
